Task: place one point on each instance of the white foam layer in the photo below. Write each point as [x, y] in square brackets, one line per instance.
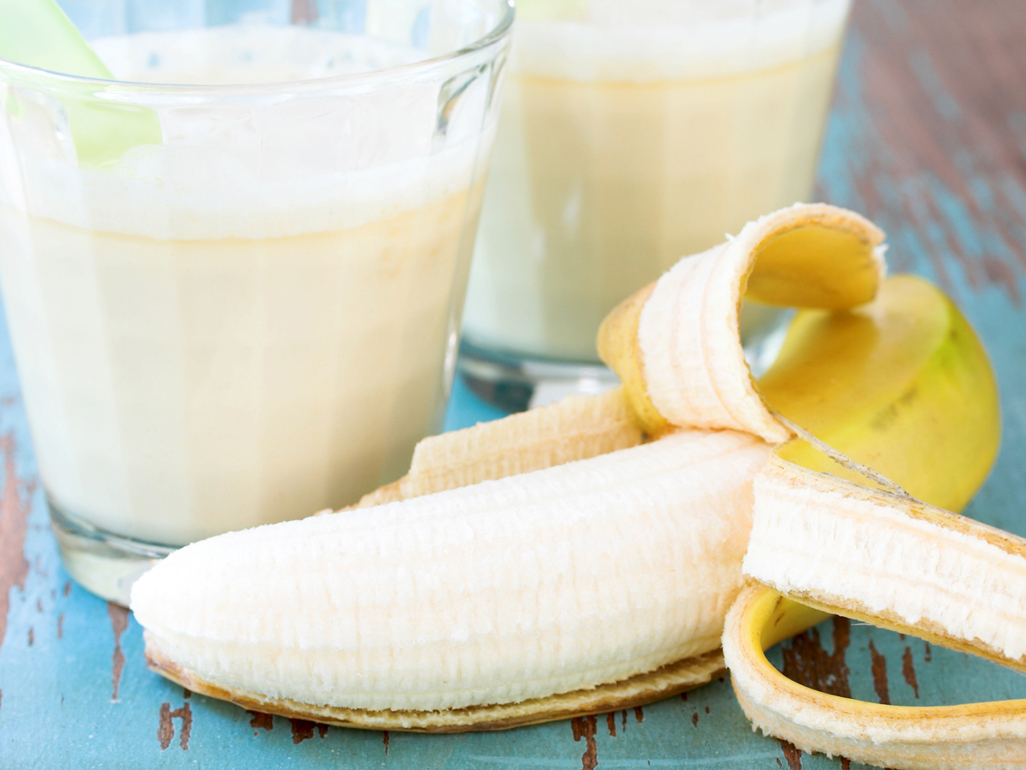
[243, 53]
[270, 165]
[198, 193]
[655, 40]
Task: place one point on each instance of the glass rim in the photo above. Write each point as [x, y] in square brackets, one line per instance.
[424, 66]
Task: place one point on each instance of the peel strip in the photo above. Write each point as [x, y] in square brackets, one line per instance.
[665, 682]
[981, 735]
[575, 428]
[687, 367]
[820, 513]
[891, 559]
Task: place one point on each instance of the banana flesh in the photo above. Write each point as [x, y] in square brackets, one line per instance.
[503, 602]
[500, 592]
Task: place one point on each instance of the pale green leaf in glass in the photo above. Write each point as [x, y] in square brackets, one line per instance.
[39, 34]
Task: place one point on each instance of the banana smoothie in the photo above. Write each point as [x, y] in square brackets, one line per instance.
[632, 134]
[256, 319]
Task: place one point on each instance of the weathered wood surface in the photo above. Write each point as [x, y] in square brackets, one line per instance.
[928, 137]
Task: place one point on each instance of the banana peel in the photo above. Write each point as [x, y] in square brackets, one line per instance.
[883, 360]
[908, 567]
[664, 682]
[676, 345]
[908, 354]
[911, 343]
[576, 428]
[860, 383]
[913, 738]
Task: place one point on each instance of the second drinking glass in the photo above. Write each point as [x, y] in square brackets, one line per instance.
[633, 133]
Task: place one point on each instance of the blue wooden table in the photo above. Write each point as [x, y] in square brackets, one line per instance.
[927, 137]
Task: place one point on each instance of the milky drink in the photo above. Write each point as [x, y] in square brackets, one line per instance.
[623, 146]
[241, 325]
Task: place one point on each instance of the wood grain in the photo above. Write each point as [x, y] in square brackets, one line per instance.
[935, 104]
[15, 503]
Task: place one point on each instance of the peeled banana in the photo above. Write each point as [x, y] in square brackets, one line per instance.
[551, 564]
[500, 592]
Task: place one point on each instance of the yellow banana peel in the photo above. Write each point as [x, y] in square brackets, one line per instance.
[901, 386]
[980, 735]
[920, 405]
[676, 344]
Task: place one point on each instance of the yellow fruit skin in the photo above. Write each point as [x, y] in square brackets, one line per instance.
[675, 344]
[901, 737]
[617, 344]
[576, 428]
[888, 384]
[904, 386]
[901, 385]
[799, 267]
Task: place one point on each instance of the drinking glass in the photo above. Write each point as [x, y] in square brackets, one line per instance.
[634, 132]
[234, 275]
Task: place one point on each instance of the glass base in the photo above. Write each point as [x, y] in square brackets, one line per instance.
[102, 562]
[514, 382]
